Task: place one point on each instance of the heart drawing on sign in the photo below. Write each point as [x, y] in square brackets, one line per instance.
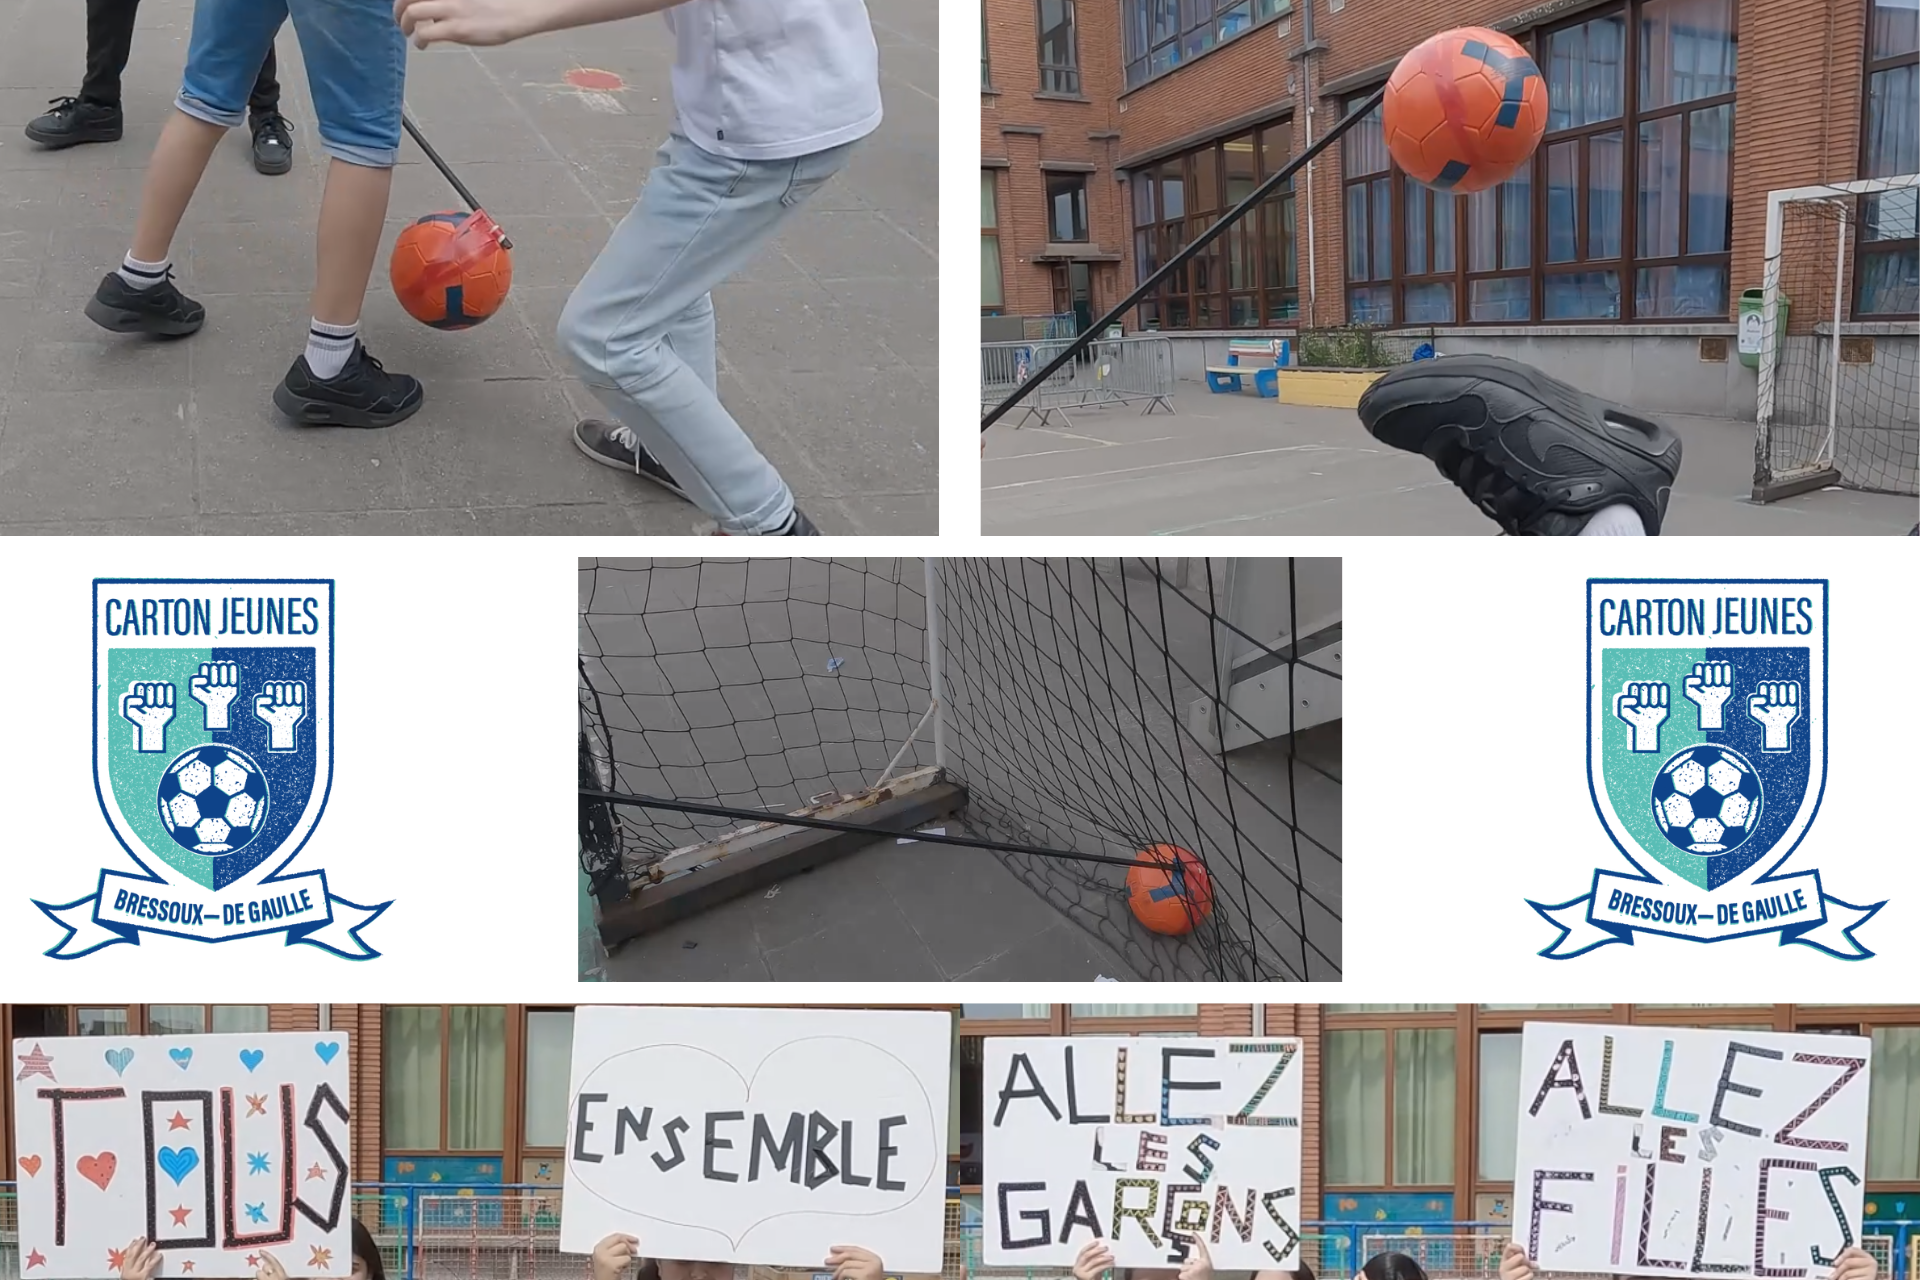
[118, 1060]
[250, 1058]
[178, 1162]
[326, 1049]
[31, 1164]
[181, 1057]
[98, 1169]
[820, 1099]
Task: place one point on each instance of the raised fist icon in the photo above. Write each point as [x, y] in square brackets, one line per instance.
[214, 689]
[281, 704]
[1642, 704]
[148, 706]
[1776, 706]
[1708, 688]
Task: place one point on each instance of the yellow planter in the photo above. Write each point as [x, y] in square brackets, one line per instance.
[1325, 388]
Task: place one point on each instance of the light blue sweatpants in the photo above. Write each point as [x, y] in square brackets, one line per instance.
[639, 326]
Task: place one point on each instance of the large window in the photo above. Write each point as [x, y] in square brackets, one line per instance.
[549, 1062]
[1161, 34]
[1366, 169]
[1059, 52]
[1067, 208]
[193, 1019]
[1247, 277]
[1388, 1107]
[443, 1077]
[1633, 218]
[992, 298]
[1888, 258]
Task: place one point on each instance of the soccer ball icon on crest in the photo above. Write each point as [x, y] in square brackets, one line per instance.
[213, 799]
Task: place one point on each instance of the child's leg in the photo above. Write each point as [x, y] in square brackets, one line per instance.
[356, 67]
[640, 325]
[109, 42]
[229, 40]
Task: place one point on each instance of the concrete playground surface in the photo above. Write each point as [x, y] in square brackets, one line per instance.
[1240, 464]
[826, 341]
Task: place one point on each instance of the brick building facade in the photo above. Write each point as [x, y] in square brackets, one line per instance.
[1646, 202]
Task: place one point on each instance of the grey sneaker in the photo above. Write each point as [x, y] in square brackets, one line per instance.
[612, 444]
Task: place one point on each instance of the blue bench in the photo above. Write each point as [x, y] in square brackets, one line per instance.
[1244, 358]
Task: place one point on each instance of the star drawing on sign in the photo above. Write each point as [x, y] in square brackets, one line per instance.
[187, 1265]
[256, 1213]
[178, 1121]
[256, 1104]
[179, 1215]
[114, 1258]
[36, 1259]
[37, 1063]
[257, 1162]
[322, 1259]
[316, 1172]
[253, 1260]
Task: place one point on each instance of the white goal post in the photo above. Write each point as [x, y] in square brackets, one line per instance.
[1811, 459]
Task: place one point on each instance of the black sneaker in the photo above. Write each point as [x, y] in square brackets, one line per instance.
[1536, 455]
[73, 121]
[161, 310]
[272, 143]
[612, 444]
[363, 394]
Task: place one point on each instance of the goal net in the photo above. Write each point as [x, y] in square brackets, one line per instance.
[1086, 709]
[1837, 396]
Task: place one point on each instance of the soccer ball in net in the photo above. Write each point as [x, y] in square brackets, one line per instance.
[213, 799]
[1707, 800]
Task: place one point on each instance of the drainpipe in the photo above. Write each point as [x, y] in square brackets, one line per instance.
[1306, 92]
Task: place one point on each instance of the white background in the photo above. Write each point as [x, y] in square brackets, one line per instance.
[849, 1065]
[114, 1215]
[1559, 1138]
[1029, 1146]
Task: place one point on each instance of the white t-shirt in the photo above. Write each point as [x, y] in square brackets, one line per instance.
[774, 79]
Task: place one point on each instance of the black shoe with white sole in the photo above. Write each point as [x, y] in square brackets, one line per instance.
[1534, 454]
[363, 394]
[160, 310]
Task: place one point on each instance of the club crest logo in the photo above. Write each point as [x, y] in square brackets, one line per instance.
[212, 761]
[1706, 759]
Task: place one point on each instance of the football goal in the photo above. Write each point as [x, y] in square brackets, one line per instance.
[1838, 403]
[1152, 747]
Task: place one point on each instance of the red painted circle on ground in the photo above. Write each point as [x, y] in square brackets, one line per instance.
[588, 78]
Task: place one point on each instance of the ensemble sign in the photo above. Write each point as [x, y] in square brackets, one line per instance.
[1144, 1143]
[760, 1136]
[217, 1148]
[1668, 1152]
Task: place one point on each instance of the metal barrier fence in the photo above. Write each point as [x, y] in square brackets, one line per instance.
[427, 1232]
[1111, 371]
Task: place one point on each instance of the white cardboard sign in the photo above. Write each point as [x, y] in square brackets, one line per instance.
[1677, 1152]
[214, 1147]
[762, 1136]
[1142, 1141]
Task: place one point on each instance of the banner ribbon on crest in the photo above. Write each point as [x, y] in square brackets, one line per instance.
[1794, 906]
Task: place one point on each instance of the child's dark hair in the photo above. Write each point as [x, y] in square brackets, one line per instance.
[1303, 1271]
[367, 1251]
[1393, 1266]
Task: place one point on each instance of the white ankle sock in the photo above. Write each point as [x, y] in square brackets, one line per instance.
[143, 275]
[328, 346]
[1616, 521]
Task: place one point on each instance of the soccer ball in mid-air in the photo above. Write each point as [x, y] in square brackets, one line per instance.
[1707, 799]
[213, 799]
[1464, 110]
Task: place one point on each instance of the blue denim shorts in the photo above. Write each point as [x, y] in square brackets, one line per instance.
[356, 62]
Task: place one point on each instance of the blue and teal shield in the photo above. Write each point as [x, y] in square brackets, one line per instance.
[1706, 760]
[213, 747]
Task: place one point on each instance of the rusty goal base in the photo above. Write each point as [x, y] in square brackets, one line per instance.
[695, 877]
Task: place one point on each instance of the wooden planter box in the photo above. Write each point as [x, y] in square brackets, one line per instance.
[1326, 388]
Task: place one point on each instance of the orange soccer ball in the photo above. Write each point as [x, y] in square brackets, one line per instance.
[450, 270]
[1168, 889]
[1464, 110]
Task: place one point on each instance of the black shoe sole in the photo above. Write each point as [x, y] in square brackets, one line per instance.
[323, 413]
[123, 320]
[61, 141]
[283, 165]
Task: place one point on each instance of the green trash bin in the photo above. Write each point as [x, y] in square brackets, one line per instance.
[1753, 323]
